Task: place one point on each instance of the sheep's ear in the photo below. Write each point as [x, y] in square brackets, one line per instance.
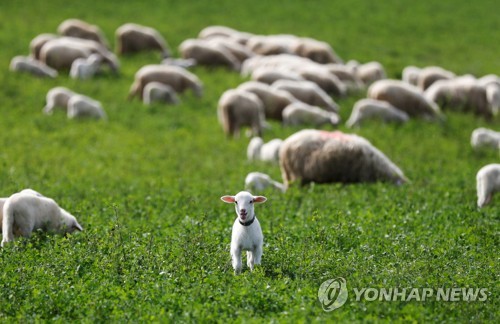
[228, 199]
[78, 227]
[259, 199]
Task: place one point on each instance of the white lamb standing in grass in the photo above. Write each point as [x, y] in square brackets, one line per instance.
[57, 97]
[30, 65]
[159, 92]
[85, 68]
[3, 200]
[247, 233]
[257, 150]
[80, 106]
[257, 181]
[24, 213]
[375, 109]
[483, 137]
[238, 108]
[488, 182]
[299, 113]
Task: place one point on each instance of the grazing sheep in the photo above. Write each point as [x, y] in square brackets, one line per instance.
[271, 75]
[239, 51]
[257, 181]
[57, 97]
[369, 72]
[208, 53]
[85, 68]
[37, 43]
[346, 75]
[410, 75]
[315, 50]
[308, 92]
[223, 31]
[80, 106]
[324, 157]
[178, 78]
[375, 109]
[463, 93]
[81, 29]
[405, 97]
[274, 100]
[237, 108]
[3, 200]
[133, 38]
[60, 53]
[324, 79]
[428, 75]
[247, 233]
[272, 44]
[259, 151]
[299, 113]
[483, 137]
[159, 92]
[24, 212]
[30, 65]
[488, 182]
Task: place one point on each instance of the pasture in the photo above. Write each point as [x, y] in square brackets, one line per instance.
[146, 184]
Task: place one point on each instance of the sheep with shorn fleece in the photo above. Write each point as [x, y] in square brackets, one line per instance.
[368, 72]
[133, 38]
[315, 50]
[347, 75]
[239, 51]
[82, 29]
[405, 97]
[30, 65]
[308, 92]
[430, 74]
[375, 109]
[326, 80]
[85, 68]
[247, 233]
[272, 44]
[208, 53]
[238, 108]
[24, 212]
[257, 150]
[258, 181]
[487, 183]
[60, 53]
[463, 93]
[274, 100]
[57, 97]
[178, 78]
[159, 92]
[324, 157]
[299, 113]
[270, 75]
[80, 106]
[485, 138]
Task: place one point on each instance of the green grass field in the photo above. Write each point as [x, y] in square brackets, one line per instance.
[146, 184]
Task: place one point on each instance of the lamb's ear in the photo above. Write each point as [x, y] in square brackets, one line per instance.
[228, 199]
[259, 199]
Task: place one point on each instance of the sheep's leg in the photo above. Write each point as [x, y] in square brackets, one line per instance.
[257, 254]
[236, 259]
[250, 260]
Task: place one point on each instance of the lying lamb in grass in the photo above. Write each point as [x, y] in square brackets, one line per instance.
[266, 152]
[375, 109]
[323, 157]
[25, 212]
[30, 65]
[85, 68]
[488, 182]
[483, 137]
[257, 181]
[247, 233]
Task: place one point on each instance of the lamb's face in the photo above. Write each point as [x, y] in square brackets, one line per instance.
[244, 204]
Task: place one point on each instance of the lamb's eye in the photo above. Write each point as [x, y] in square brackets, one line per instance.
[236, 202]
[251, 201]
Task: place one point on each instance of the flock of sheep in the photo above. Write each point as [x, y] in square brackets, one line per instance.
[293, 80]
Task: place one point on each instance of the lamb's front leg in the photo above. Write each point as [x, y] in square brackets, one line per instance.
[236, 259]
[250, 259]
